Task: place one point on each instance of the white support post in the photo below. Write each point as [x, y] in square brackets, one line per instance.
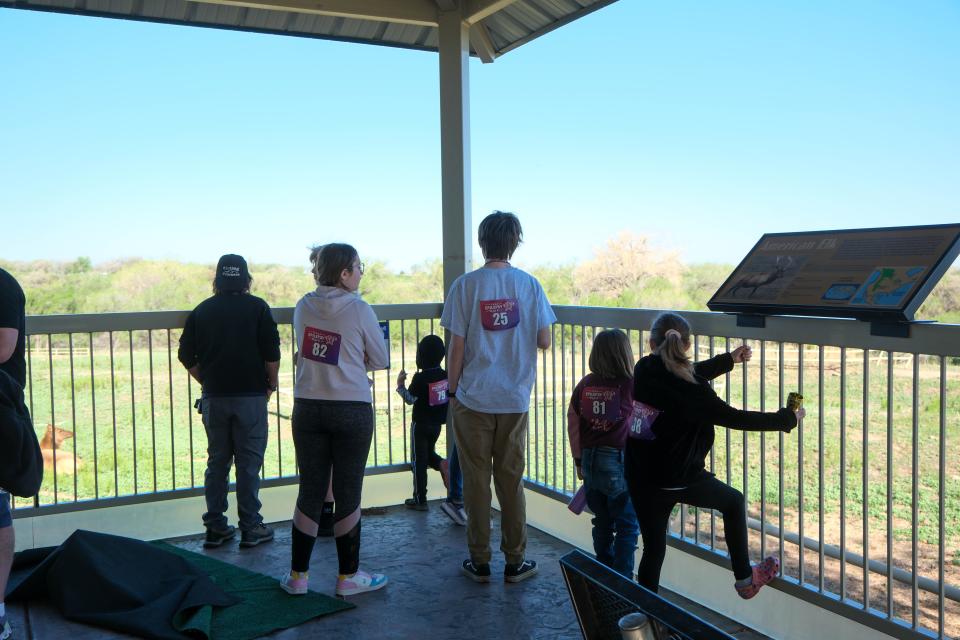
[454, 46]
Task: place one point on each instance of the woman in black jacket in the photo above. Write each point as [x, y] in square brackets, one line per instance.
[665, 463]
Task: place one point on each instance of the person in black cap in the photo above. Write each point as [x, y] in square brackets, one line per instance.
[231, 346]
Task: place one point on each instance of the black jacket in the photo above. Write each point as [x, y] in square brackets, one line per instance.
[229, 337]
[21, 464]
[684, 430]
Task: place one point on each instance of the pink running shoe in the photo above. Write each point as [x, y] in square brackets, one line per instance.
[763, 573]
[360, 582]
[294, 586]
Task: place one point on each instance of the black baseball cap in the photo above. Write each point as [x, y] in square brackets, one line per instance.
[232, 273]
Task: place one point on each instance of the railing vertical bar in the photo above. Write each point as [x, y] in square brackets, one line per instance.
[546, 427]
[563, 405]
[890, 383]
[915, 494]
[93, 411]
[536, 428]
[113, 416]
[553, 364]
[153, 417]
[726, 391]
[780, 476]
[820, 422]
[763, 451]
[53, 414]
[133, 413]
[696, 511]
[294, 353]
[173, 440]
[390, 395]
[403, 405]
[574, 380]
[190, 408]
[29, 344]
[713, 462]
[843, 474]
[745, 454]
[801, 349]
[73, 414]
[942, 485]
[865, 470]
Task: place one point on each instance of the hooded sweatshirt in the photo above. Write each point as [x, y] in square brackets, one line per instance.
[429, 385]
[684, 429]
[338, 342]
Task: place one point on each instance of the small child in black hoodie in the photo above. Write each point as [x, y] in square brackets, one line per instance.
[428, 395]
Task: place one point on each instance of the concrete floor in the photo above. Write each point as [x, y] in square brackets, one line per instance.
[427, 597]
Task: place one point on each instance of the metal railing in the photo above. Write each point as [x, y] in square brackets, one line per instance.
[123, 407]
[860, 502]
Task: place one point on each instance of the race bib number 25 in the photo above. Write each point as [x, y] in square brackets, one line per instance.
[321, 346]
[498, 315]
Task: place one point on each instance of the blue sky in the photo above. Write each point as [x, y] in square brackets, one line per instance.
[700, 124]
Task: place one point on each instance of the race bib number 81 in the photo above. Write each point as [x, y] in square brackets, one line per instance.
[321, 346]
[601, 406]
[498, 315]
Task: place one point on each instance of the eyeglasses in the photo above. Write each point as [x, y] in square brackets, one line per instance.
[359, 266]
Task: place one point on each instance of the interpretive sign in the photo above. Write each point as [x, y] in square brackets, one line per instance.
[870, 274]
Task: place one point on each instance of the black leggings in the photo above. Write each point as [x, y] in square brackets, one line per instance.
[654, 505]
[424, 455]
[326, 434]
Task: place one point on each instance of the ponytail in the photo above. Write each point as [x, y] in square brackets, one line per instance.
[670, 335]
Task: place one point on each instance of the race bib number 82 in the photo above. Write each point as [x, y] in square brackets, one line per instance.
[498, 315]
[321, 346]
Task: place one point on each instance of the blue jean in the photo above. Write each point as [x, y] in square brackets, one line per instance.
[6, 519]
[615, 528]
[455, 490]
[236, 433]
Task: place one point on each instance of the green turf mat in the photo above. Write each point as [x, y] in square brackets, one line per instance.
[265, 606]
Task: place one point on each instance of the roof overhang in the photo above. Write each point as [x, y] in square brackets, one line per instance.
[496, 26]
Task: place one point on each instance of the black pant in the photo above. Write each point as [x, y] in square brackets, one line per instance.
[325, 435]
[424, 440]
[654, 505]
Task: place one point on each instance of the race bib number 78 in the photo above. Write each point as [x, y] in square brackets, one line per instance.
[321, 346]
[498, 315]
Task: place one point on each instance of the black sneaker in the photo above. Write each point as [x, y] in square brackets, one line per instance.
[253, 537]
[216, 537]
[416, 505]
[476, 572]
[519, 572]
[325, 525]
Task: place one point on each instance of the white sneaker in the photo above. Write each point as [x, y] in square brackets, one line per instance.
[5, 630]
[294, 586]
[455, 512]
[360, 582]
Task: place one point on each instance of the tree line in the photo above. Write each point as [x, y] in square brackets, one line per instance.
[629, 271]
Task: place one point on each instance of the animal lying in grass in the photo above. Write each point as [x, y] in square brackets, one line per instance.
[66, 461]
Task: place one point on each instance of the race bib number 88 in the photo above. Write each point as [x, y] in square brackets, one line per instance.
[498, 315]
[321, 346]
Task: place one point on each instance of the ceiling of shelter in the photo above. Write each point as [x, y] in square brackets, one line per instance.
[496, 26]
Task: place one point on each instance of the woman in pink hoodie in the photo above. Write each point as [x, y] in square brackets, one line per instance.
[339, 342]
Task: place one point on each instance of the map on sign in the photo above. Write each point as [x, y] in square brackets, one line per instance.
[888, 286]
[875, 274]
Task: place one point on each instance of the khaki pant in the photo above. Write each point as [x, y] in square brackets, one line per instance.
[492, 443]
